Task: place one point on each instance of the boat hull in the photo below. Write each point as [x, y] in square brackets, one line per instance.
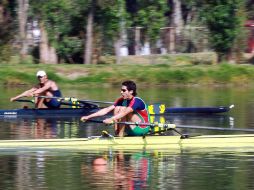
[198, 110]
[32, 112]
[149, 142]
[47, 112]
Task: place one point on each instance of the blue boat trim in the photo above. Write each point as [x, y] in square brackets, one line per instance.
[85, 111]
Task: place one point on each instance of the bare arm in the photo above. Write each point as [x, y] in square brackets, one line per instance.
[24, 94]
[44, 88]
[101, 112]
[118, 116]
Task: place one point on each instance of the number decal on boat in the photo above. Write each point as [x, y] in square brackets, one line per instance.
[156, 108]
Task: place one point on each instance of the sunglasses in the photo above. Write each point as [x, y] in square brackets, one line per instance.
[123, 90]
[39, 77]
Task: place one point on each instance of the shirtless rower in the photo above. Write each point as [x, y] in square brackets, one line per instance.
[45, 87]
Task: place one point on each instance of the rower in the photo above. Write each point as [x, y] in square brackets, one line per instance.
[45, 87]
[128, 107]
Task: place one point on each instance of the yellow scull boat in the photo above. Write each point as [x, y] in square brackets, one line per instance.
[148, 142]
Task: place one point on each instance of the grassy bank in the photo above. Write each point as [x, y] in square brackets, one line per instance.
[160, 74]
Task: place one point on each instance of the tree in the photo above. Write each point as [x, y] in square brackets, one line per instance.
[23, 6]
[7, 29]
[115, 30]
[55, 18]
[89, 33]
[224, 24]
[150, 15]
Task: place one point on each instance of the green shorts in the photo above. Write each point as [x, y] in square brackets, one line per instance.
[137, 131]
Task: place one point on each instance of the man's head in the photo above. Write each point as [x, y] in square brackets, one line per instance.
[130, 86]
[42, 76]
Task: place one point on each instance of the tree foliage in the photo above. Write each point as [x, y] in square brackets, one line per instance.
[65, 22]
[151, 16]
[223, 22]
[7, 27]
[58, 17]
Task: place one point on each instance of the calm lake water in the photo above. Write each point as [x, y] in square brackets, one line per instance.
[141, 169]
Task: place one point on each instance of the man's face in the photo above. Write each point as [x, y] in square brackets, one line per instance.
[126, 94]
[42, 79]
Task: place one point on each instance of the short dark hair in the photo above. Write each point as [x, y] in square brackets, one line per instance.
[130, 86]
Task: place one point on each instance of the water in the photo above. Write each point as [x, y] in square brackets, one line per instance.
[126, 170]
[140, 169]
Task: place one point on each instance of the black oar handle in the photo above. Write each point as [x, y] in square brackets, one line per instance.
[23, 100]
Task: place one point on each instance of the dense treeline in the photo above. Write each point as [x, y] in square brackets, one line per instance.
[81, 31]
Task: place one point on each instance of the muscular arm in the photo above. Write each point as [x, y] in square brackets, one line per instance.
[123, 113]
[24, 94]
[44, 88]
[101, 112]
[118, 116]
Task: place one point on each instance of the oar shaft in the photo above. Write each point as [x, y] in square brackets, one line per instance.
[214, 128]
[172, 126]
[161, 125]
[75, 99]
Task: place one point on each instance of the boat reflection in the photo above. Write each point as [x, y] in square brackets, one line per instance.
[144, 169]
[126, 170]
[71, 127]
[24, 128]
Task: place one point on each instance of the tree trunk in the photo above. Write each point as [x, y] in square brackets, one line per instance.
[117, 46]
[43, 45]
[22, 18]
[177, 16]
[121, 48]
[177, 20]
[137, 40]
[53, 59]
[47, 53]
[1, 14]
[89, 36]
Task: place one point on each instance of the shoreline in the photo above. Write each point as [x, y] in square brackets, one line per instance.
[144, 75]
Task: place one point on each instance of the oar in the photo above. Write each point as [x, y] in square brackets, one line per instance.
[214, 128]
[152, 109]
[62, 103]
[74, 99]
[161, 125]
[173, 126]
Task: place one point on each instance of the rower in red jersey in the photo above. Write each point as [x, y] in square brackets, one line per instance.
[129, 108]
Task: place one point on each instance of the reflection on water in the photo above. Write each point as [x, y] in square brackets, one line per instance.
[22, 128]
[154, 169]
[128, 171]
[70, 127]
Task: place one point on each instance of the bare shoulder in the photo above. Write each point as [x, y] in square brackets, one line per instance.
[52, 84]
